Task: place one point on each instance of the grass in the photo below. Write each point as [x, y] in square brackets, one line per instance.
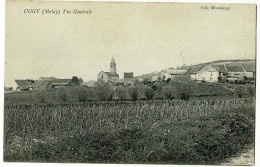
[198, 131]
[30, 97]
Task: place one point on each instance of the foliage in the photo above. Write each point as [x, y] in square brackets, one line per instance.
[168, 91]
[133, 92]
[62, 94]
[184, 86]
[40, 96]
[250, 89]
[239, 91]
[149, 92]
[179, 132]
[74, 81]
[121, 93]
[103, 90]
[85, 94]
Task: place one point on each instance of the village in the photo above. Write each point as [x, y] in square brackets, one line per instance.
[238, 72]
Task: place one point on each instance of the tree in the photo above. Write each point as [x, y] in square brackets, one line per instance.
[184, 86]
[74, 81]
[62, 94]
[149, 92]
[121, 92]
[85, 94]
[168, 91]
[103, 90]
[133, 92]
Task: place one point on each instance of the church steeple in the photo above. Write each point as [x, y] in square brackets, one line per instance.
[113, 65]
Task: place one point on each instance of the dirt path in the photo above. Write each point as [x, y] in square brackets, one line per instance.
[245, 158]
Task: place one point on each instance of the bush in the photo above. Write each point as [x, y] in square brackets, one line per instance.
[168, 91]
[85, 94]
[184, 86]
[251, 90]
[103, 90]
[62, 94]
[149, 92]
[133, 92]
[121, 92]
[239, 91]
[41, 96]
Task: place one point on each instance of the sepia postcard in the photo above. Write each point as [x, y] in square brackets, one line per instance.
[130, 82]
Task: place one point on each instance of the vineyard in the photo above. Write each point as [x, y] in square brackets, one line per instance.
[161, 131]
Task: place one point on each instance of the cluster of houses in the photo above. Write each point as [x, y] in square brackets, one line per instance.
[212, 72]
[209, 72]
[42, 83]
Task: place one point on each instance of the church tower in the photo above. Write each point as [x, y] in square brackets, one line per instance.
[113, 65]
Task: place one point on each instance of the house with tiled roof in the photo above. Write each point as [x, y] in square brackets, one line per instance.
[171, 73]
[235, 71]
[109, 77]
[24, 85]
[57, 83]
[204, 73]
[250, 69]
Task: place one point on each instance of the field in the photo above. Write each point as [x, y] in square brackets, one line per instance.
[197, 131]
[30, 97]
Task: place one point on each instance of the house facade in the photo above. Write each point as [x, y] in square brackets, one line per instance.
[170, 74]
[129, 78]
[204, 73]
[58, 83]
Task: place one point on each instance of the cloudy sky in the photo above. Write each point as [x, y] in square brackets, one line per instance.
[142, 37]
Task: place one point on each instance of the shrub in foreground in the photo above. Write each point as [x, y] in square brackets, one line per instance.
[121, 93]
[184, 86]
[168, 91]
[133, 92]
[85, 94]
[41, 96]
[149, 92]
[103, 90]
[62, 94]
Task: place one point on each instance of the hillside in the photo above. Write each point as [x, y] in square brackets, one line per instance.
[248, 63]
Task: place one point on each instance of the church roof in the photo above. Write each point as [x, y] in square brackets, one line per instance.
[112, 74]
[112, 61]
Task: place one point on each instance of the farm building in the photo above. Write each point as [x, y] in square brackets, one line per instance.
[169, 74]
[24, 85]
[235, 71]
[42, 84]
[111, 76]
[129, 78]
[250, 69]
[221, 69]
[57, 83]
[204, 73]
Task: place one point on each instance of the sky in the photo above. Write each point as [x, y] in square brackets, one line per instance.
[142, 37]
